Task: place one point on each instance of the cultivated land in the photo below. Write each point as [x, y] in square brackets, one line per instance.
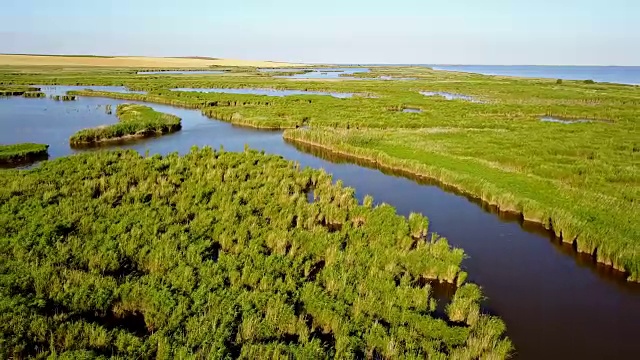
[131, 61]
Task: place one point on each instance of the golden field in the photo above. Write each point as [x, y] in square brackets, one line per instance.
[132, 61]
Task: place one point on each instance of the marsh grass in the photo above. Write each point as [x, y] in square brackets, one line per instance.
[63, 97]
[580, 180]
[135, 121]
[219, 252]
[34, 94]
[22, 153]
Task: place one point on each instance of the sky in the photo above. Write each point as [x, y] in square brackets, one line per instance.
[498, 32]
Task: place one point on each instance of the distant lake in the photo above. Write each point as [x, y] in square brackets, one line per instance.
[613, 74]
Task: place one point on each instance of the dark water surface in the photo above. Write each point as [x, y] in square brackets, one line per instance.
[557, 304]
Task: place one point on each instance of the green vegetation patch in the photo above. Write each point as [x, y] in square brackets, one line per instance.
[581, 180]
[20, 153]
[222, 255]
[63, 97]
[135, 121]
[16, 90]
[575, 183]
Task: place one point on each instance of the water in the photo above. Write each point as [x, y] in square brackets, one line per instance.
[613, 74]
[563, 121]
[319, 73]
[333, 73]
[186, 72]
[266, 92]
[282, 70]
[62, 89]
[556, 304]
[450, 96]
[411, 110]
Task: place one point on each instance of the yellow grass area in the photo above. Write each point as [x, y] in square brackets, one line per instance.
[132, 61]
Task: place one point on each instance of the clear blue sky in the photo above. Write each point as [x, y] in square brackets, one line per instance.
[578, 32]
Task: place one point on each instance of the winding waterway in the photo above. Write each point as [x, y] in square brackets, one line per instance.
[556, 303]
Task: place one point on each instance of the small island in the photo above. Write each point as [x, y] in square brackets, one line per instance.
[22, 153]
[19, 90]
[136, 121]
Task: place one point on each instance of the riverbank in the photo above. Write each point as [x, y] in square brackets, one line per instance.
[566, 227]
[578, 178]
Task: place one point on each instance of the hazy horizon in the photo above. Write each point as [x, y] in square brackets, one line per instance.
[494, 32]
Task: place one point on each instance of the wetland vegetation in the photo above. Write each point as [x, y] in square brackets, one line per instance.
[135, 121]
[221, 254]
[22, 153]
[581, 181]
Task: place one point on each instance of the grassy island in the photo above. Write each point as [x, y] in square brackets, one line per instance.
[17, 90]
[136, 121]
[225, 255]
[22, 153]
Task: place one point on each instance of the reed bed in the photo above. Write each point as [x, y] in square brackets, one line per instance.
[135, 121]
[221, 253]
[63, 97]
[581, 204]
[580, 180]
[34, 94]
[22, 153]
[17, 90]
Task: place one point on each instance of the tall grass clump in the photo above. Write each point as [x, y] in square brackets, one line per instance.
[34, 94]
